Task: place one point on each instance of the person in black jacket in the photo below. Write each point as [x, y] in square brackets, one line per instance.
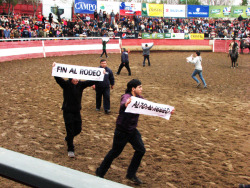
[124, 62]
[103, 88]
[72, 96]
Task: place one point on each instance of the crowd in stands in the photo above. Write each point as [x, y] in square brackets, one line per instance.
[102, 24]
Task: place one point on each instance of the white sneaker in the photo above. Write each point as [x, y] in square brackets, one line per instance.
[71, 154]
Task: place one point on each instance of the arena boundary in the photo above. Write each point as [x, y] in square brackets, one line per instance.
[40, 173]
[14, 49]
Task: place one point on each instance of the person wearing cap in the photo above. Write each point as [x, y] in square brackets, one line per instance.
[124, 62]
[72, 97]
[126, 132]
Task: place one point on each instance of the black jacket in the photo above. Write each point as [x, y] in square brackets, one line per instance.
[107, 80]
[124, 57]
[72, 94]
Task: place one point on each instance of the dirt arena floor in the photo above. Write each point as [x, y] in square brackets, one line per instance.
[206, 143]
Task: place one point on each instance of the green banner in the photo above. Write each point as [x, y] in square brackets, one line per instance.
[219, 11]
[146, 36]
[153, 36]
[236, 11]
[167, 35]
[186, 36]
[144, 11]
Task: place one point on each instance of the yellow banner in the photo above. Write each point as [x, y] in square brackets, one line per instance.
[196, 36]
[155, 10]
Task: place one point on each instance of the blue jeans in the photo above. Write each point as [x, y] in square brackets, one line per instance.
[196, 71]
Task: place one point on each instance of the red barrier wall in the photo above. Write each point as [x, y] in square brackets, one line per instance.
[137, 42]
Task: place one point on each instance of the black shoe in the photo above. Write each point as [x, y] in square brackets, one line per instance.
[143, 65]
[107, 111]
[134, 179]
[97, 173]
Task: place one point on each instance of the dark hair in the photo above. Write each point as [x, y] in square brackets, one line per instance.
[132, 84]
[102, 60]
[124, 49]
[146, 45]
[198, 53]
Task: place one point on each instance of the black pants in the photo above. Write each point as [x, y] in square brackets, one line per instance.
[146, 57]
[119, 142]
[104, 52]
[73, 124]
[127, 67]
[105, 92]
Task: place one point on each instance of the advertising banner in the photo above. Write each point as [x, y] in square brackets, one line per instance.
[219, 11]
[177, 35]
[144, 11]
[167, 35]
[236, 11]
[196, 36]
[57, 7]
[175, 11]
[127, 8]
[153, 36]
[155, 10]
[128, 35]
[108, 6]
[85, 6]
[198, 11]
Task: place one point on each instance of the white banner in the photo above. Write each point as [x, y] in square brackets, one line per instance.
[177, 35]
[78, 72]
[63, 6]
[142, 106]
[149, 44]
[175, 11]
[108, 6]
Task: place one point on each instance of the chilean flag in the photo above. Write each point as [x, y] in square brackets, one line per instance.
[127, 8]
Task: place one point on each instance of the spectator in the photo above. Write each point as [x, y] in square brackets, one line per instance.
[100, 16]
[112, 18]
[50, 18]
[7, 32]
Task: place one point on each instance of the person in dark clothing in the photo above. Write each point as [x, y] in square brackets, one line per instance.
[242, 46]
[50, 18]
[125, 132]
[103, 88]
[25, 33]
[104, 43]
[72, 96]
[124, 62]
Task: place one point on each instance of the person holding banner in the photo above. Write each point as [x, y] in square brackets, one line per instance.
[104, 43]
[72, 96]
[146, 52]
[103, 88]
[124, 62]
[125, 132]
[198, 69]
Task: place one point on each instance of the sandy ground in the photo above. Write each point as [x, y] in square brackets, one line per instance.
[204, 144]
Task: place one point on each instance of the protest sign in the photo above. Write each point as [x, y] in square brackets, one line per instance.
[78, 72]
[190, 58]
[149, 44]
[142, 106]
